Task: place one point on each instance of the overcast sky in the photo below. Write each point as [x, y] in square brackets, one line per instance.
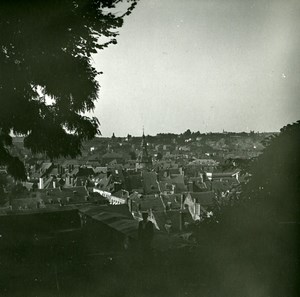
[202, 65]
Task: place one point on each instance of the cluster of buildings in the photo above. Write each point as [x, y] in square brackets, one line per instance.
[112, 190]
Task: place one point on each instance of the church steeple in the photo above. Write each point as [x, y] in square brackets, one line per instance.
[144, 160]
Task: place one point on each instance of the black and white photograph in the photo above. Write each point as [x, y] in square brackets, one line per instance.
[149, 148]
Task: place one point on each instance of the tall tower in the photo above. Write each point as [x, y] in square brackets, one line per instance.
[144, 159]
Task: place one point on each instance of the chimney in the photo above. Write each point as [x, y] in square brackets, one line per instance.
[129, 203]
[190, 186]
[198, 209]
[41, 183]
[181, 220]
[181, 202]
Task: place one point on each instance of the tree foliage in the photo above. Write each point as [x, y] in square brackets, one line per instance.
[263, 222]
[46, 52]
[275, 176]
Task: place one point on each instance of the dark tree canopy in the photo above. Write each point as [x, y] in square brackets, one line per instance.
[275, 181]
[271, 194]
[45, 53]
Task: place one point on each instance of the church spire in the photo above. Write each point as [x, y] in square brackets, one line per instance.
[144, 159]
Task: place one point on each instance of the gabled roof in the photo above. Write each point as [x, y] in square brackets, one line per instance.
[45, 167]
[74, 171]
[204, 198]
[105, 184]
[147, 202]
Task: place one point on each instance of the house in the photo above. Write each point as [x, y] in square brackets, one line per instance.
[223, 175]
[200, 203]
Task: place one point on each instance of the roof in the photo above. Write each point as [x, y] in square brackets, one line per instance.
[45, 167]
[174, 170]
[116, 217]
[24, 204]
[146, 202]
[83, 171]
[204, 162]
[171, 218]
[73, 162]
[105, 184]
[134, 181]
[28, 211]
[165, 186]
[150, 182]
[173, 200]
[99, 169]
[48, 198]
[28, 185]
[112, 155]
[221, 186]
[135, 195]
[178, 181]
[204, 198]
[57, 197]
[225, 174]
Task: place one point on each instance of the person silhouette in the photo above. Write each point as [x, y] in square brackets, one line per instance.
[145, 233]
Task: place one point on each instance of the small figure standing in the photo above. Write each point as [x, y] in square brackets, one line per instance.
[145, 233]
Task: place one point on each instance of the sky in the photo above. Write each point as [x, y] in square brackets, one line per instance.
[202, 65]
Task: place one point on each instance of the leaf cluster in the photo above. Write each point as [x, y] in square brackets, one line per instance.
[47, 79]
